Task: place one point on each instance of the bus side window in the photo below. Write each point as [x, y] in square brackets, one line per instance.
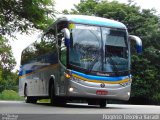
[62, 47]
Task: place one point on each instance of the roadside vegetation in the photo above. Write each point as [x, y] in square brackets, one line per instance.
[10, 95]
[144, 23]
[18, 16]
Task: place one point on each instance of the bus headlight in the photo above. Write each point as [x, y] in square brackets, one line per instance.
[71, 89]
[128, 82]
[125, 83]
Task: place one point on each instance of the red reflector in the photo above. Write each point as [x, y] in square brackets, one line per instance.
[101, 92]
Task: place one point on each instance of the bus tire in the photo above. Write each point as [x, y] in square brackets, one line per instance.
[28, 99]
[102, 103]
[53, 97]
[52, 94]
[55, 100]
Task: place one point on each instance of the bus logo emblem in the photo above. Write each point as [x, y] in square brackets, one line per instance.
[102, 85]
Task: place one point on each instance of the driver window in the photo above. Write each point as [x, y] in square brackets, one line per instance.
[62, 47]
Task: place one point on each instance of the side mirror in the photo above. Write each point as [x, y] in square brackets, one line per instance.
[138, 43]
[66, 36]
[20, 71]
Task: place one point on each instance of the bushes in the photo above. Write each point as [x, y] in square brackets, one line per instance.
[156, 98]
[10, 95]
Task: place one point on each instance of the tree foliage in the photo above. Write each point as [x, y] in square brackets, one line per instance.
[19, 15]
[143, 23]
[7, 63]
[6, 59]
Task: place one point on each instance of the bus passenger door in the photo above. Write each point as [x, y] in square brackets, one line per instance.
[63, 82]
[62, 56]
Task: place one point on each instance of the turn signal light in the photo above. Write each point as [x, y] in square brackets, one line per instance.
[67, 75]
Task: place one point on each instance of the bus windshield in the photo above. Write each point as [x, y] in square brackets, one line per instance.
[100, 49]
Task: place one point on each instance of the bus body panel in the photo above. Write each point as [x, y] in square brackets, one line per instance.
[36, 75]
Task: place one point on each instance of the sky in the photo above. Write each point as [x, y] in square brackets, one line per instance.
[24, 40]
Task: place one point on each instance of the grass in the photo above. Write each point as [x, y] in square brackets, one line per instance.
[44, 101]
[10, 95]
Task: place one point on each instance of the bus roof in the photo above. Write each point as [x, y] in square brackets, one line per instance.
[92, 20]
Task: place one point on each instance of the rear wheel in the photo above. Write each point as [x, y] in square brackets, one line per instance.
[28, 99]
[52, 94]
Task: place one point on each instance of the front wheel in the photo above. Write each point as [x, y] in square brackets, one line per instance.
[55, 100]
[102, 103]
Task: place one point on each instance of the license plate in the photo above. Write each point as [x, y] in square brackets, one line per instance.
[101, 92]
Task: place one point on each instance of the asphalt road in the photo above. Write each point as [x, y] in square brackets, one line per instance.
[45, 111]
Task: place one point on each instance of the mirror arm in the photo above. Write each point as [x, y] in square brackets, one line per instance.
[66, 33]
[66, 36]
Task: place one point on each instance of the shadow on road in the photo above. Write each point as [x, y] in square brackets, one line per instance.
[78, 105]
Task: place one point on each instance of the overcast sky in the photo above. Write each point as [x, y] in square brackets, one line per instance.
[24, 40]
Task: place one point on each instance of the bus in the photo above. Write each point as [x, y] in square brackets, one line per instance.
[79, 57]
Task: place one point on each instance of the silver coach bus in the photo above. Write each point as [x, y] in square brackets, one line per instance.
[78, 57]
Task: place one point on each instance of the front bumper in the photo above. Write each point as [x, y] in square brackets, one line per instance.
[87, 89]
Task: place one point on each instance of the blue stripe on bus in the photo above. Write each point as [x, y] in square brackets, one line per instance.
[92, 77]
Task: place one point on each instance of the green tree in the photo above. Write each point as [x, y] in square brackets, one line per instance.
[7, 63]
[1, 74]
[6, 59]
[143, 23]
[20, 15]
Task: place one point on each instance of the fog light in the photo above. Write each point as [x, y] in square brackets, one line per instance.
[128, 93]
[70, 89]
